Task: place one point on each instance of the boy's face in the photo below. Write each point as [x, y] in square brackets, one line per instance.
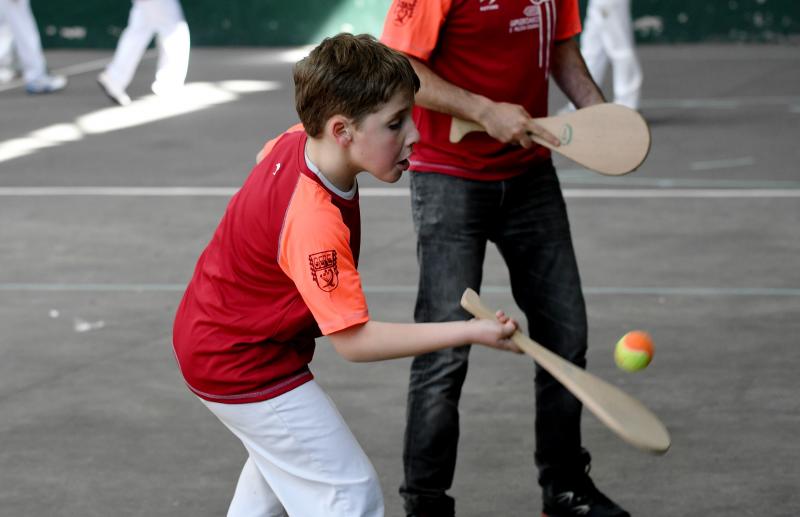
[382, 142]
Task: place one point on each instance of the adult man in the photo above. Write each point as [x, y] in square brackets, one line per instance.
[490, 61]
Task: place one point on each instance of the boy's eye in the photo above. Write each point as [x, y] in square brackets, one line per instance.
[396, 124]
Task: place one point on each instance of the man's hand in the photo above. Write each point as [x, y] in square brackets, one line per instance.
[512, 124]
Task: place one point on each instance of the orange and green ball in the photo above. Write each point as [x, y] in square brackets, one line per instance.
[634, 351]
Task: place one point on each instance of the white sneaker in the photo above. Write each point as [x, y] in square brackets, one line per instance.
[46, 84]
[161, 89]
[114, 93]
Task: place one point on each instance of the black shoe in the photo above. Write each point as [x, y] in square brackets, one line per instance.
[420, 506]
[426, 513]
[578, 498]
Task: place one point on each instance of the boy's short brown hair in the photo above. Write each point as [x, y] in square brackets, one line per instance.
[351, 76]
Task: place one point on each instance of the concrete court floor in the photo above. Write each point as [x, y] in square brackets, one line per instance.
[699, 247]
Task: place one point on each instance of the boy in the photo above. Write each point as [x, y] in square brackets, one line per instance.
[281, 270]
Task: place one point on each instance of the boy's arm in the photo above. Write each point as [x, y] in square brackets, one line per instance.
[571, 75]
[378, 341]
[506, 122]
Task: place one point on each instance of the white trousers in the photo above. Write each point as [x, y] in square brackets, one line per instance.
[18, 15]
[608, 38]
[303, 460]
[163, 19]
[6, 44]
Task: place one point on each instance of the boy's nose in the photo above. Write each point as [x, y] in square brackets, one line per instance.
[413, 136]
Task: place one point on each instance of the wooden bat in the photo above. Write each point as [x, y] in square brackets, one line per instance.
[606, 138]
[623, 414]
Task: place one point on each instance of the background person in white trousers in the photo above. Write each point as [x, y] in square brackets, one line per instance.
[6, 48]
[148, 18]
[608, 38]
[28, 44]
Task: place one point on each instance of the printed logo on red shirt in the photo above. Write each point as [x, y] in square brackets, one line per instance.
[403, 11]
[490, 6]
[541, 14]
[324, 270]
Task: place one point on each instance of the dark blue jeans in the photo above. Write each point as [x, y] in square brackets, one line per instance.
[526, 218]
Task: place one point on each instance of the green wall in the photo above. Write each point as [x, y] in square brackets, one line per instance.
[97, 23]
[670, 21]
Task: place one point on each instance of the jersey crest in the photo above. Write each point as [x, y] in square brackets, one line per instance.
[403, 11]
[324, 270]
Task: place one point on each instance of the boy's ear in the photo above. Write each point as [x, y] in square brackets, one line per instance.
[340, 130]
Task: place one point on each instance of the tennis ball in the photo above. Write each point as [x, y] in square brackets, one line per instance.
[634, 351]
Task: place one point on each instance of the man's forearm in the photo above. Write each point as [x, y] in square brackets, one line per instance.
[571, 75]
[439, 95]
[506, 122]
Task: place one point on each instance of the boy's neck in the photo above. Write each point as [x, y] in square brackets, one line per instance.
[332, 162]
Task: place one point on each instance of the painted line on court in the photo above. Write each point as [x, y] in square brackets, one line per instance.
[394, 192]
[682, 193]
[721, 102]
[405, 289]
[650, 291]
[94, 66]
[117, 288]
[584, 177]
[118, 191]
[707, 165]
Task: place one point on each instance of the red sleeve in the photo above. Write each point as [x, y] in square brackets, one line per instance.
[412, 26]
[315, 253]
[569, 20]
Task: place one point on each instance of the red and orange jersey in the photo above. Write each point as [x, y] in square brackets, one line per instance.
[501, 49]
[279, 271]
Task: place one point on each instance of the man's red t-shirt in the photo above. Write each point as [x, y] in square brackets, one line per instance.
[497, 48]
[279, 271]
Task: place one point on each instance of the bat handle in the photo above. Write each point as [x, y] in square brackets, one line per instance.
[459, 128]
[472, 303]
